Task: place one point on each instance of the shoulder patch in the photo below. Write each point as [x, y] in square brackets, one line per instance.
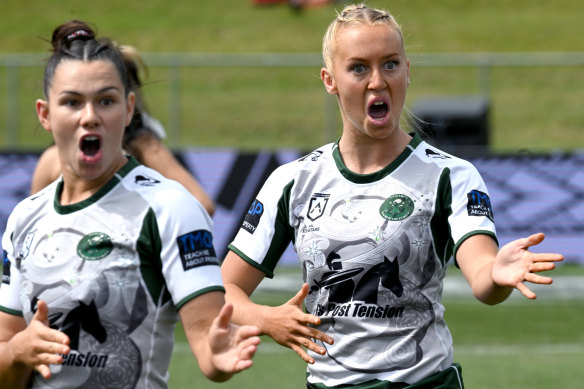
[479, 204]
[253, 216]
[196, 249]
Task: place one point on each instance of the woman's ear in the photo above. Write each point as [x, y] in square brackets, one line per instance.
[328, 81]
[42, 110]
[130, 105]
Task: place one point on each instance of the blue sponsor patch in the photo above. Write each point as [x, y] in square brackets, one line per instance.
[479, 204]
[196, 249]
[253, 216]
[5, 269]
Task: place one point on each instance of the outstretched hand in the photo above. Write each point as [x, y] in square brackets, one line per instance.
[233, 346]
[289, 325]
[515, 264]
[39, 346]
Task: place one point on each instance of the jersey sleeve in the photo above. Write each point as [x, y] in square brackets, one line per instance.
[265, 232]
[472, 212]
[190, 266]
[10, 285]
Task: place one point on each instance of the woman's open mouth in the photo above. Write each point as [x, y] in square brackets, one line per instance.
[90, 147]
[378, 111]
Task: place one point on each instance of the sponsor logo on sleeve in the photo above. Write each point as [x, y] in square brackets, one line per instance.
[196, 249]
[253, 216]
[6, 269]
[479, 204]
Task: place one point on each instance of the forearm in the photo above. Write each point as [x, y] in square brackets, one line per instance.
[485, 289]
[245, 312]
[12, 374]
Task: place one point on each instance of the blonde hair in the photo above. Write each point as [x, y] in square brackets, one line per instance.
[354, 14]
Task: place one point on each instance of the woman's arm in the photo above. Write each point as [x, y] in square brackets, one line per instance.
[220, 347]
[151, 152]
[287, 324]
[493, 274]
[47, 169]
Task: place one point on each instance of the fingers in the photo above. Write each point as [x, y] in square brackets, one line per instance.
[224, 317]
[534, 239]
[526, 291]
[537, 279]
[248, 332]
[547, 257]
[300, 296]
[316, 334]
[43, 371]
[302, 354]
[42, 313]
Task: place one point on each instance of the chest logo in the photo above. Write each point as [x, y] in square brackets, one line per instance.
[95, 246]
[317, 205]
[396, 207]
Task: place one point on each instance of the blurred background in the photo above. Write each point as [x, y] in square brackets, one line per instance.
[236, 85]
[245, 73]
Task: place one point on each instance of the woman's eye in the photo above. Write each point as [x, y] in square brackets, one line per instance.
[107, 101]
[71, 103]
[358, 69]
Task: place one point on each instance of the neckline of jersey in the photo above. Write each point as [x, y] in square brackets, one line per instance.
[378, 175]
[67, 209]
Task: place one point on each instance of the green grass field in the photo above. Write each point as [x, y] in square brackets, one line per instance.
[534, 108]
[518, 344]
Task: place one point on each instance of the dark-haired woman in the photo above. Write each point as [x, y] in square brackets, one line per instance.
[143, 138]
[100, 264]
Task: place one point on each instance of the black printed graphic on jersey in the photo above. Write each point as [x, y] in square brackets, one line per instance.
[313, 156]
[145, 180]
[253, 216]
[317, 205]
[196, 249]
[479, 204]
[383, 296]
[433, 154]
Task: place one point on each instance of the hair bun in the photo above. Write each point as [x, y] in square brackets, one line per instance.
[69, 32]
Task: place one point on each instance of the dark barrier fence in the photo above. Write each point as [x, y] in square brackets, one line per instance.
[530, 193]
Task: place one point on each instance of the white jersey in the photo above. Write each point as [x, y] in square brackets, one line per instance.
[113, 269]
[373, 249]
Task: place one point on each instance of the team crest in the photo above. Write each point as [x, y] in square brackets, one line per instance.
[95, 246]
[317, 205]
[396, 207]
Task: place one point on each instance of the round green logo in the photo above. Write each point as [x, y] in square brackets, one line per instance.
[95, 246]
[396, 207]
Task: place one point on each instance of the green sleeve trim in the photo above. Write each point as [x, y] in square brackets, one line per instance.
[269, 273]
[472, 233]
[283, 233]
[11, 311]
[441, 233]
[149, 247]
[216, 288]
